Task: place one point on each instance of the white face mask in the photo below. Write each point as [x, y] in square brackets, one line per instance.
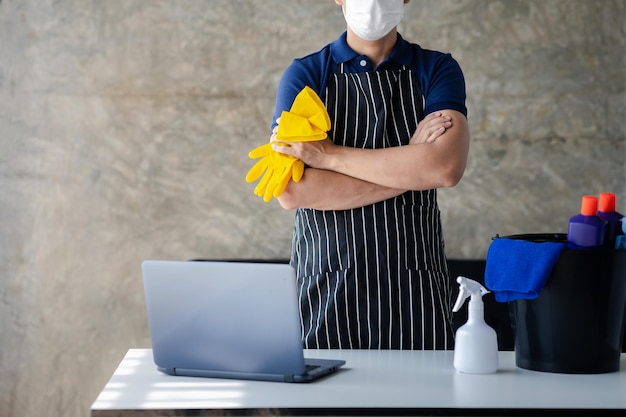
[373, 19]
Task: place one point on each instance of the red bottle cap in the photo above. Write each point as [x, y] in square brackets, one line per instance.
[589, 206]
[607, 202]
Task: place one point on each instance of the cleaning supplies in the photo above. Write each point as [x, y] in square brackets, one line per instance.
[476, 344]
[620, 240]
[606, 211]
[518, 267]
[279, 169]
[586, 230]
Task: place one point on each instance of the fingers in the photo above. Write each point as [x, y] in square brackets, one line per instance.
[257, 170]
[260, 151]
[435, 134]
[282, 148]
[436, 123]
[431, 127]
[297, 171]
[275, 169]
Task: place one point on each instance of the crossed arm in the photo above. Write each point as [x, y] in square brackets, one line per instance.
[340, 178]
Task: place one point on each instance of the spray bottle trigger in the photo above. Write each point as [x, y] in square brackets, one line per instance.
[467, 288]
[460, 300]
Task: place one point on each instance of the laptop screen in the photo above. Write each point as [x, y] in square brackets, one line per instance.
[224, 316]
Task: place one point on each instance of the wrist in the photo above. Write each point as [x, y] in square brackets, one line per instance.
[332, 157]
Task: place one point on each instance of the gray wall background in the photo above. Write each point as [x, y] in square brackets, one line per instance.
[125, 127]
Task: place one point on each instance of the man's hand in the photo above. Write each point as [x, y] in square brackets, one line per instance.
[429, 129]
[313, 154]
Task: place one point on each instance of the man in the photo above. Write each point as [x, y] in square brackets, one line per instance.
[368, 246]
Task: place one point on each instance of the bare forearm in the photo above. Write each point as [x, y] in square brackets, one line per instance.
[422, 166]
[396, 167]
[328, 190]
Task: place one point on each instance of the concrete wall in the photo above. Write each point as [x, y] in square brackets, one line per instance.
[125, 127]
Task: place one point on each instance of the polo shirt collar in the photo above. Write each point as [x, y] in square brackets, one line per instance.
[341, 52]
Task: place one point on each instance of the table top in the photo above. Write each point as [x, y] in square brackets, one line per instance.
[392, 382]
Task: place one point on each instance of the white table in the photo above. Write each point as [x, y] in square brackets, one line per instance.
[371, 383]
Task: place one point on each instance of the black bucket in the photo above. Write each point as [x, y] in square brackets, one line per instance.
[576, 325]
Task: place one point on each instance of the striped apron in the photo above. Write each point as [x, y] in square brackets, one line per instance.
[374, 277]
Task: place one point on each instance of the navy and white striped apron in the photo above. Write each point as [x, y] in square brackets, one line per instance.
[374, 277]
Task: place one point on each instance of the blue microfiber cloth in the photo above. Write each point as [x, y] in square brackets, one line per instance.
[518, 269]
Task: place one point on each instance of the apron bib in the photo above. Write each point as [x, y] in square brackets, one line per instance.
[374, 277]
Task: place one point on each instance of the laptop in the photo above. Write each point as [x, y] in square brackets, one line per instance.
[236, 320]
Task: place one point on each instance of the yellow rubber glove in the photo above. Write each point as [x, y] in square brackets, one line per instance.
[295, 128]
[308, 104]
[277, 170]
[307, 120]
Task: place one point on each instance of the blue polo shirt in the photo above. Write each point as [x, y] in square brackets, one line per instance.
[440, 77]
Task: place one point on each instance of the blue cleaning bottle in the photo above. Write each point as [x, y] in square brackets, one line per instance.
[620, 241]
[606, 211]
[586, 230]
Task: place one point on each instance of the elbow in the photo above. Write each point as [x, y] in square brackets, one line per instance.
[452, 170]
[299, 194]
[287, 199]
[450, 182]
[440, 176]
[287, 203]
[445, 176]
[454, 155]
[452, 177]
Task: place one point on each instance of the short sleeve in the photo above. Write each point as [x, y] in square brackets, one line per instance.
[444, 84]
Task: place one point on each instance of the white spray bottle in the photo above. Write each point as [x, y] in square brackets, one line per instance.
[476, 344]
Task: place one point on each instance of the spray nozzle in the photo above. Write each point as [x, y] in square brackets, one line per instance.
[468, 287]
